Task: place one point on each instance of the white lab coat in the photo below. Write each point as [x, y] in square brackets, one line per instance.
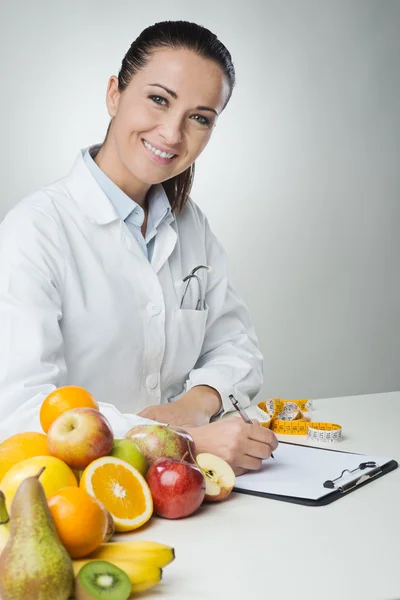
[80, 304]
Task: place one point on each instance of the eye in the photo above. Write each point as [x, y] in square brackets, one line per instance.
[202, 120]
[159, 100]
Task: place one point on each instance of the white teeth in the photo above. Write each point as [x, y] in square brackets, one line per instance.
[157, 152]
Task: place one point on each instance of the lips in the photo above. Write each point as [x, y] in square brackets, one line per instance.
[161, 149]
[155, 158]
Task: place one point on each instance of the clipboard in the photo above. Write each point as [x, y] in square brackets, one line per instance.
[311, 475]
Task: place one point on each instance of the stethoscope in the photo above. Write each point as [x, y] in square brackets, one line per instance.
[201, 301]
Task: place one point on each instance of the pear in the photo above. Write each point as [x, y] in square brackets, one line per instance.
[34, 564]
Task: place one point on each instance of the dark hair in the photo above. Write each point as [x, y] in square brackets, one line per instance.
[176, 35]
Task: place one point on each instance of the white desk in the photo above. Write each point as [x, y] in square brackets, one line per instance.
[254, 548]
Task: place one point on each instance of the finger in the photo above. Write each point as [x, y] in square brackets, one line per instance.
[264, 435]
[249, 463]
[258, 449]
[239, 471]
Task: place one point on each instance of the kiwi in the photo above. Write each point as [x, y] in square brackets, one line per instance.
[101, 580]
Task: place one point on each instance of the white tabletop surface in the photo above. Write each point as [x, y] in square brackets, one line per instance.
[251, 547]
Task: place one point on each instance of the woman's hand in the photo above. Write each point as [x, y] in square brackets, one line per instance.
[193, 409]
[242, 445]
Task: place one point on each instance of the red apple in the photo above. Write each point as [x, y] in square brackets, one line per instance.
[177, 487]
[79, 436]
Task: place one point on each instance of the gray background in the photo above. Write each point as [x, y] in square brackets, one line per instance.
[300, 180]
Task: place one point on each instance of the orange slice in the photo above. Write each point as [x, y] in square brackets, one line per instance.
[121, 489]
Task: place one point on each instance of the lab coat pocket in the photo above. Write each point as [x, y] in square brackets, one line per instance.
[186, 335]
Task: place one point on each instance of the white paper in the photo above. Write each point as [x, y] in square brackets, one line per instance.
[300, 471]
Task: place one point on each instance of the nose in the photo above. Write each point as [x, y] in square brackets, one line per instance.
[171, 130]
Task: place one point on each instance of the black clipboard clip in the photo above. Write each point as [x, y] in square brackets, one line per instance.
[376, 470]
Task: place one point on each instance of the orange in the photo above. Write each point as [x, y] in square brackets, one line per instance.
[121, 489]
[63, 399]
[55, 476]
[81, 521]
[21, 446]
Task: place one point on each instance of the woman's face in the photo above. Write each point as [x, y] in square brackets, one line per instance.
[171, 105]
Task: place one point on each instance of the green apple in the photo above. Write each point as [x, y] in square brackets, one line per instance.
[128, 451]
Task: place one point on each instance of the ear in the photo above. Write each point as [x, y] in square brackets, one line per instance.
[113, 96]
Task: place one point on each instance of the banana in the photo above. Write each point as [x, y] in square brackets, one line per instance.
[151, 553]
[4, 523]
[142, 575]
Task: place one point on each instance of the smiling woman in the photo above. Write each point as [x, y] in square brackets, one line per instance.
[146, 124]
[160, 94]
[93, 267]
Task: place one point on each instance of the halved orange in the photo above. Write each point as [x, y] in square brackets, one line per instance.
[121, 489]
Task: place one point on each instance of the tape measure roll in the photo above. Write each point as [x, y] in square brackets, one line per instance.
[289, 417]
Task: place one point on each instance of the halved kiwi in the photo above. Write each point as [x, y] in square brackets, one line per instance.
[101, 580]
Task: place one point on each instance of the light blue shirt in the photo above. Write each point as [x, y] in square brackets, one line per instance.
[129, 211]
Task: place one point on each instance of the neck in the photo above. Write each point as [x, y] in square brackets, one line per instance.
[108, 160]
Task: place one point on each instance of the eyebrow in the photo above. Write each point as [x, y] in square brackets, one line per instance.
[175, 95]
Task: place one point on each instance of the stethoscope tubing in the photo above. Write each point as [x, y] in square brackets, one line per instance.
[201, 302]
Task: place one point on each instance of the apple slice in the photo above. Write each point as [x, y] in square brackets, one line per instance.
[220, 477]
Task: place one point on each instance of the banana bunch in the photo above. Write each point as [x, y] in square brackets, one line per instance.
[151, 553]
[4, 522]
[142, 561]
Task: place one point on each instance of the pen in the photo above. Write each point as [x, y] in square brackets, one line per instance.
[242, 412]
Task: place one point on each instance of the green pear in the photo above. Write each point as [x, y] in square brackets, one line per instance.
[34, 564]
[128, 451]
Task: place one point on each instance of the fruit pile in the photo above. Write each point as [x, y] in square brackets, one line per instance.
[64, 493]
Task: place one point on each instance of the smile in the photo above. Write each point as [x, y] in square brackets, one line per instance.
[157, 152]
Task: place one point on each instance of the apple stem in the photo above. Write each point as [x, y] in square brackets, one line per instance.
[184, 456]
[192, 457]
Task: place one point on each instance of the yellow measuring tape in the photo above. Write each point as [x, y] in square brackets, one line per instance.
[289, 417]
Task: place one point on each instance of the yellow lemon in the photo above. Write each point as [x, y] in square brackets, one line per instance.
[55, 476]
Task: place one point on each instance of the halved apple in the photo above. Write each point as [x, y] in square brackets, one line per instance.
[220, 477]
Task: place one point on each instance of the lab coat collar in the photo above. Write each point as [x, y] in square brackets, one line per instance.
[165, 243]
[88, 195]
